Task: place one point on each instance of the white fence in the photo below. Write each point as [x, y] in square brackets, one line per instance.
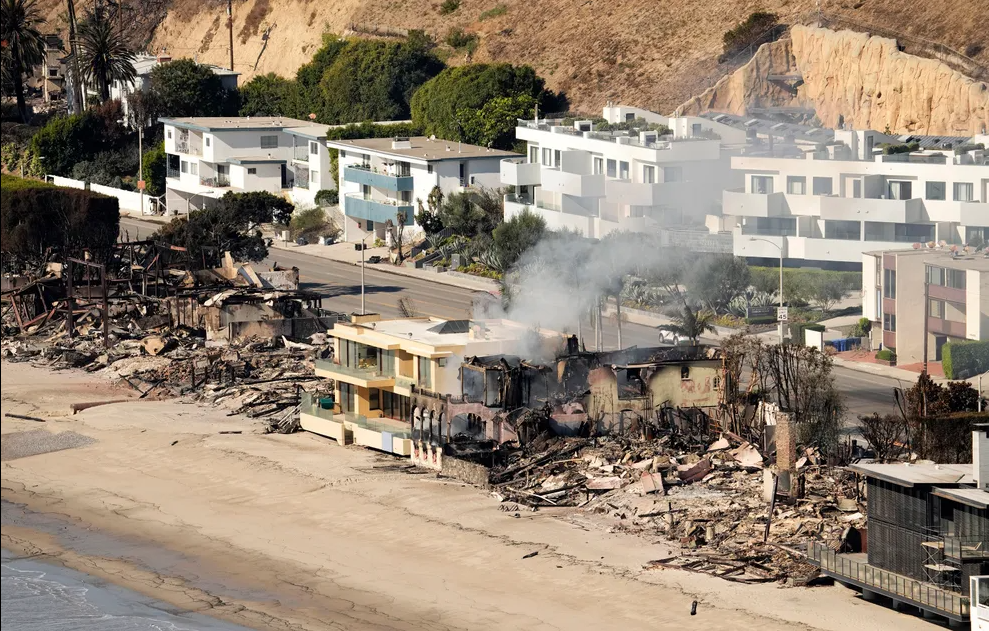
[129, 200]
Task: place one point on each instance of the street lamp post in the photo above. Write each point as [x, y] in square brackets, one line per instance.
[363, 246]
[780, 248]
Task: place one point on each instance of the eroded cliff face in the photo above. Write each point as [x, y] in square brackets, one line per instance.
[864, 82]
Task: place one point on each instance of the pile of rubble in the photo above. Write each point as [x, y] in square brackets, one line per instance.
[715, 502]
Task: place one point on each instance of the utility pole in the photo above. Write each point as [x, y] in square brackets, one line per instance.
[927, 313]
[230, 27]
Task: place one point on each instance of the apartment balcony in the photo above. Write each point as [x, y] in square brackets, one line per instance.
[386, 181]
[172, 173]
[369, 377]
[940, 292]
[189, 149]
[973, 213]
[301, 178]
[878, 210]
[646, 194]
[951, 328]
[556, 181]
[518, 172]
[853, 569]
[300, 153]
[742, 204]
[217, 181]
[378, 210]
[389, 435]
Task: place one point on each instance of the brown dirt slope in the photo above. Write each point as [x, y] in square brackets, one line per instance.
[649, 53]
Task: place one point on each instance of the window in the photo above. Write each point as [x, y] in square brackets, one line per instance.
[649, 174]
[252, 170]
[403, 169]
[899, 189]
[936, 190]
[429, 168]
[168, 132]
[629, 118]
[222, 169]
[185, 166]
[194, 168]
[954, 278]
[963, 191]
[534, 153]
[716, 382]
[206, 140]
[843, 230]
[557, 157]
[623, 170]
[935, 309]
[343, 154]
[314, 177]
[612, 168]
[598, 164]
[672, 174]
[695, 129]
[53, 72]
[373, 399]
[889, 283]
[313, 148]
[425, 372]
[762, 184]
[347, 392]
[369, 226]
[685, 372]
[441, 362]
[547, 157]
[796, 185]
[822, 186]
[405, 196]
[463, 174]
[889, 322]
[269, 142]
[857, 189]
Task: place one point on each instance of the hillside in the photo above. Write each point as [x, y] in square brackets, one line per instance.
[650, 54]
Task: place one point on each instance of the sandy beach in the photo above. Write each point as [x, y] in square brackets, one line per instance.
[296, 532]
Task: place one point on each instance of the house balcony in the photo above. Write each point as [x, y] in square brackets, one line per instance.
[518, 172]
[217, 181]
[388, 435]
[301, 178]
[950, 328]
[189, 149]
[853, 569]
[369, 377]
[578, 185]
[300, 153]
[742, 204]
[386, 181]
[877, 210]
[646, 194]
[973, 213]
[377, 210]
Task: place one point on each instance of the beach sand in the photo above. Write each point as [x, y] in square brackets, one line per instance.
[296, 532]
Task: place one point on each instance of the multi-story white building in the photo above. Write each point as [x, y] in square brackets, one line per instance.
[381, 177]
[208, 156]
[600, 181]
[826, 205]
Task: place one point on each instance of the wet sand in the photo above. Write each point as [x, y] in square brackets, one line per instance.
[295, 532]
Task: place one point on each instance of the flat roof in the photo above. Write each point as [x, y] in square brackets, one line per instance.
[913, 474]
[256, 160]
[942, 257]
[423, 148]
[241, 123]
[969, 495]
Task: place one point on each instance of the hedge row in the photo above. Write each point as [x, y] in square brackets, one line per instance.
[962, 360]
[35, 216]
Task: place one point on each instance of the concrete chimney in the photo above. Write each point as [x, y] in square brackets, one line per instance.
[980, 455]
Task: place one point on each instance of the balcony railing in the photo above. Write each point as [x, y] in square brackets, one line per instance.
[379, 210]
[217, 181]
[301, 153]
[397, 428]
[896, 585]
[172, 172]
[301, 178]
[360, 174]
[187, 148]
[966, 548]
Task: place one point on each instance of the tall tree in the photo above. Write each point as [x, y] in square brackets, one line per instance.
[185, 88]
[104, 54]
[23, 44]
[689, 323]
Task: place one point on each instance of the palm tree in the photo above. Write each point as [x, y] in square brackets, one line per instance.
[103, 53]
[23, 44]
[688, 323]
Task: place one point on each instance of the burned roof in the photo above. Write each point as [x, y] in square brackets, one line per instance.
[649, 356]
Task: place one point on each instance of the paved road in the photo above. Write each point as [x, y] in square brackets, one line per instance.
[340, 284]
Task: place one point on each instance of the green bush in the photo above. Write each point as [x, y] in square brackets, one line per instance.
[886, 355]
[36, 216]
[449, 6]
[891, 149]
[862, 328]
[328, 197]
[753, 31]
[798, 330]
[67, 140]
[266, 95]
[155, 170]
[458, 38]
[962, 360]
[761, 320]
[311, 223]
[497, 11]
[186, 88]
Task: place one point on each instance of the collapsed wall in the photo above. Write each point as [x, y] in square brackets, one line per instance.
[855, 79]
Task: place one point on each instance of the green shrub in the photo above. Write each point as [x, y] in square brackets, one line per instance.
[155, 170]
[66, 141]
[449, 6]
[886, 355]
[862, 328]
[458, 38]
[328, 197]
[35, 216]
[891, 149]
[311, 223]
[798, 331]
[498, 10]
[962, 360]
[761, 320]
[754, 30]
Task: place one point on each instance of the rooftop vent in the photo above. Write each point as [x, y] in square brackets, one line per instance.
[401, 142]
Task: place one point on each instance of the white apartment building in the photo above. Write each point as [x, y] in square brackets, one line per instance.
[144, 64]
[209, 156]
[826, 205]
[381, 177]
[600, 181]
